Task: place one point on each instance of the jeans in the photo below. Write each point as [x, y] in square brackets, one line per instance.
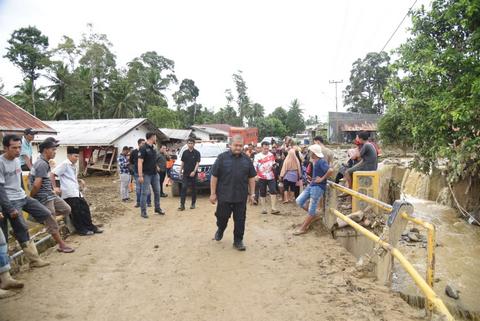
[20, 229]
[223, 213]
[124, 182]
[187, 180]
[154, 181]
[312, 193]
[138, 191]
[4, 258]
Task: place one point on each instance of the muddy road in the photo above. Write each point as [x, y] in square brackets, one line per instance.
[169, 268]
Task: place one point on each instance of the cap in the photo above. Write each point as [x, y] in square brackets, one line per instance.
[317, 150]
[73, 150]
[49, 142]
[30, 131]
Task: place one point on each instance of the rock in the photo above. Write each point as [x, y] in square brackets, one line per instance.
[414, 230]
[414, 237]
[452, 292]
[156, 246]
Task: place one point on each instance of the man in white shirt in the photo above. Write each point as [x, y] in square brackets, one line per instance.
[71, 194]
[264, 163]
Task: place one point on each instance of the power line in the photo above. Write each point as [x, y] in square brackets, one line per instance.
[336, 82]
[399, 25]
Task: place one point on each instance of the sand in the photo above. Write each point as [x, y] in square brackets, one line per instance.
[169, 268]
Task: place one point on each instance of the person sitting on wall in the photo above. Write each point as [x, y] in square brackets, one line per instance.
[42, 190]
[353, 158]
[6, 280]
[368, 154]
[72, 195]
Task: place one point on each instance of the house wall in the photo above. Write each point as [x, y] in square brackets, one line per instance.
[130, 139]
[336, 120]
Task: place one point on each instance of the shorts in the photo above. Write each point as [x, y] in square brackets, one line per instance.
[312, 194]
[289, 186]
[272, 187]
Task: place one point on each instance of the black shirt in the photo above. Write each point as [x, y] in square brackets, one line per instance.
[149, 156]
[233, 173]
[162, 162]
[190, 160]
[134, 160]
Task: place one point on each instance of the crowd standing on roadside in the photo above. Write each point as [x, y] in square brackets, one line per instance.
[244, 173]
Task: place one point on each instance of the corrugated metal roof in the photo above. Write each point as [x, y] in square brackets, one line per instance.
[180, 134]
[210, 130]
[222, 127]
[356, 127]
[96, 132]
[13, 118]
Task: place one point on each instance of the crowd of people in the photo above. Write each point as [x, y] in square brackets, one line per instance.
[41, 199]
[286, 172]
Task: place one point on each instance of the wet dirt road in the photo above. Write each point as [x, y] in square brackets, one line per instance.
[169, 268]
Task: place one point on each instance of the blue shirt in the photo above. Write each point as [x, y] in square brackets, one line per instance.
[320, 168]
[26, 150]
[123, 164]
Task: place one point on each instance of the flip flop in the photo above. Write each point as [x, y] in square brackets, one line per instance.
[299, 232]
[65, 249]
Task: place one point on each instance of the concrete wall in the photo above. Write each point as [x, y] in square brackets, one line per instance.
[336, 120]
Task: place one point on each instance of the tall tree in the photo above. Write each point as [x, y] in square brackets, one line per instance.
[28, 50]
[368, 80]
[185, 98]
[23, 97]
[271, 126]
[437, 89]
[61, 80]
[255, 114]
[295, 122]
[281, 114]
[123, 100]
[243, 101]
[98, 58]
[67, 50]
[163, 117]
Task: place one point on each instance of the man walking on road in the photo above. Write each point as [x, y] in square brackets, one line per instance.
[124, 171]
[232, 181]
[190, 162]
[264, 163]
[148, 176]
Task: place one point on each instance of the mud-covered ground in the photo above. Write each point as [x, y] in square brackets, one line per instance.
[169, 268]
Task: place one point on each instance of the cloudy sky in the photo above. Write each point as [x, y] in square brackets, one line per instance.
[286, 49]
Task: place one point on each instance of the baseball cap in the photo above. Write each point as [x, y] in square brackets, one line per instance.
[49, 142]
[30, 131]
[317, 150]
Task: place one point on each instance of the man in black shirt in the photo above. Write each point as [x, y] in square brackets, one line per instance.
[148, 176]
[134, 164]
[233, 179]
[190, 161]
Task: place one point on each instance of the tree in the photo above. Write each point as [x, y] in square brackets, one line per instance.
[437, 89]
[61, 82]
[122, 100]
[368, 79]
[227, 115]
[185, 99]
[23, 97]
[295, 122]
[28, 50]
[67, 50]
[394, 128]
[271, 126]
[100, 62]
[2, 87]
[312, 120]
[243, 101]
[255, 114]
[163, 117]
[281, 114]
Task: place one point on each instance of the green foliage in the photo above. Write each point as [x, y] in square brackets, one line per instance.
[368, 80]
[438, 90]
[243, 101]
[295, 121]
[28, 50]
[163, 117]
[271, 126]
[281, 114]
[255, 114]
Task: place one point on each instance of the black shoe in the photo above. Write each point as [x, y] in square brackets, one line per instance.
[163, 195]
[192, 207]
[159, 211]
[239, 246]
[218, 235]
[144, 215]
[137, 205]
[181, 208]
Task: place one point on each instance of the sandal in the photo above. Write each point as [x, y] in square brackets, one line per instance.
[66, 249]
[299, 232]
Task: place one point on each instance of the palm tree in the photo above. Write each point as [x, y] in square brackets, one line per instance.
[123, 99]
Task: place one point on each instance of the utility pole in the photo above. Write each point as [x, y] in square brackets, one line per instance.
[336, 82]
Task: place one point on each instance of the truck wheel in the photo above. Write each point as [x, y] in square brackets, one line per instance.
[176, 189]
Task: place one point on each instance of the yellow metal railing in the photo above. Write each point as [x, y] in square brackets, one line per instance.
[432, 300]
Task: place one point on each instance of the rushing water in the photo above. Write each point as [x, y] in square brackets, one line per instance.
[457, 259]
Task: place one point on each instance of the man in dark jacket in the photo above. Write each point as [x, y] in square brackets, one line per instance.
[232, 181]
[162, 159]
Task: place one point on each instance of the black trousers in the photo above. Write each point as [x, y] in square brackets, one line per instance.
[186, 182]
[162, 180]
[81, 216]
[239, 210]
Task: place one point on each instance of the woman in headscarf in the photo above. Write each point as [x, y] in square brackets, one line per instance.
[290, 174]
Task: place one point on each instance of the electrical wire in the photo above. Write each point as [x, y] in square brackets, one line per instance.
[399, 25]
